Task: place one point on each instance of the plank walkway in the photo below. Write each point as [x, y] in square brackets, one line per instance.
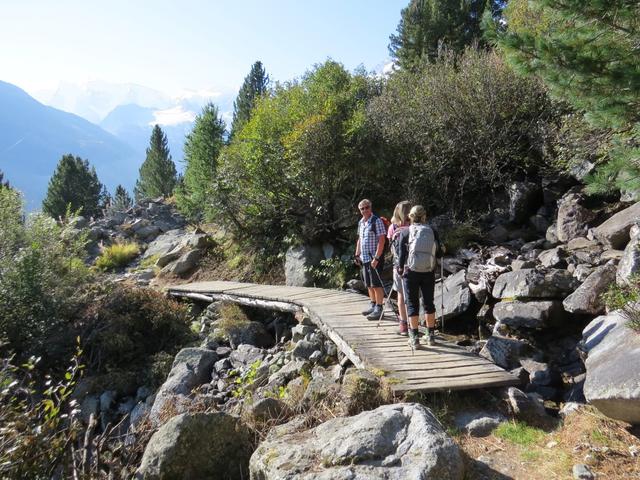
[444, 366]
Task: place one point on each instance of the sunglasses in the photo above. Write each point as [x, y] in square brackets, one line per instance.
[366, 207]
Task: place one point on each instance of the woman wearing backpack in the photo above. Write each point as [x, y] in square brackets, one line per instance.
[419, 246]
[399, 223]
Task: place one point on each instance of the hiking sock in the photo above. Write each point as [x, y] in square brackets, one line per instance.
[432, 331]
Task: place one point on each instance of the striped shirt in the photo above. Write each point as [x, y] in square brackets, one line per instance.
[369, 232]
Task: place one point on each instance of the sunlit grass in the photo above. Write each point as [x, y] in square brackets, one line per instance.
[117, 256]
[519, 433]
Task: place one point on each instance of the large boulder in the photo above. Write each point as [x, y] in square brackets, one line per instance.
[524, 200]
[398, 441]
[630, 262]
[200, 445]
[503, 351]
[573, 218]
[587, 297]
[457, 296]
[534, 314]
[614, 232]
[531, 283]
[191, 367]
[164, 243]
[613, 354]
[186, 263]
[297, 263]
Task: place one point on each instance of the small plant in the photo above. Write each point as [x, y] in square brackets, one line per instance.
[150, 261]
[459, 237]
[117, 256]
[246, 379]
[519, 433]
[627, 299]
[332, 272]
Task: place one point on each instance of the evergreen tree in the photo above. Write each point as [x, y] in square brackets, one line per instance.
[121, 200]
[158, 172]
[586, 51]
[201, 151]
[74, 184]
[254, 85]
[3, 182]
[426, 25]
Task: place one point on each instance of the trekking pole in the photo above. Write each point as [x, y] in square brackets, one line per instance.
[404, 295]
[442, 294]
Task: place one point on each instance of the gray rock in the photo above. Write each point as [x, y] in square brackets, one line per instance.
[614, 233]
[287, 373]
[587, 297]
[186, 263]
[267, 409]
[553, 258]
[579, 170]
[630, 262]
[457, 296]
[534, 314]
[504, 352]
[539, 373]
[582, 272]
[107, 399]
[319, 388]
[613, 354]
[245, 355]
[568, 408]
[300, 331]
[356, 284]
[148, 232]
[197, 239]
[191, 367]
[552, 233]
[201, 445]
[573, 218]
[524, 199]
[373, 445]
[530, 283]
[582, 472]
[579, 243]
[498, 234]
[249, 333]
[520, 264]
[527, 407]
[296, 264]
[138, 414]
[222, 365]
[315, 357]
[165, 259]
[90, 405]
[615, 255]
[478, 424]
[164, 243]
[540, 223]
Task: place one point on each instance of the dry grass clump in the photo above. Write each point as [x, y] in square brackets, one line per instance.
[117, 255]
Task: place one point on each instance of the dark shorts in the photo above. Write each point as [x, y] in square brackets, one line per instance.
[414, 284]
[371, 278]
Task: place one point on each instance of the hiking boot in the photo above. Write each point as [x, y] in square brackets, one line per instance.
[414, 341]
[369, 310]
[431, 339]
[403, 329]
[375, 313]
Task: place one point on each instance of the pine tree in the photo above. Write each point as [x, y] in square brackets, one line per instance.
[586, 51]
[158, 172]
[73, 185]
[201, 151]
[427, 25]
[254, 85]
[3, 182]
[121, 200]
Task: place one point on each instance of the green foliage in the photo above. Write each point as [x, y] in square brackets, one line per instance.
[463, 128]
[41, 274]
[244, 381]
[38, 419]
[117, 255]
[300, 164]
[586, 52]
[3, 183]
[128, 330]
[519, 433]
[232, 319]
[158, 172]
[255, 84]
[73, 185]
[121, 200]
[333, 272]
[625, 298]
[426, 26]
[201, 150]
[459, 236]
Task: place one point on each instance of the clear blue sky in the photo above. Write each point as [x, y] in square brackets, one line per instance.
[176, 44]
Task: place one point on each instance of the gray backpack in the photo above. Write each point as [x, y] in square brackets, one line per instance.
[422, 249]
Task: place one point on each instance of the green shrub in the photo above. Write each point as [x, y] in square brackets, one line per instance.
[625, 298]
[42, 276]
[38, 418]
[133, 330]
[459, 236]
[333, 272]
[117, 256]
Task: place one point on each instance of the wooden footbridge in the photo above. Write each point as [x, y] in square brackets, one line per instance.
[444, 366]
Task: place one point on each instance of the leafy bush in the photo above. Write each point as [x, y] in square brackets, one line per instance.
[38, 421]
[625, 298]
[127, 330]
[464, 127]
[117, 256]
[295, 170]
[41, 276]
[333, 272]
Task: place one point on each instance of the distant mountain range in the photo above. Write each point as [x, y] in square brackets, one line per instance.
[33, 136]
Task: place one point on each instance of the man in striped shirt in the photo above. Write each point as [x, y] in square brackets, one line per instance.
[369, 249]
